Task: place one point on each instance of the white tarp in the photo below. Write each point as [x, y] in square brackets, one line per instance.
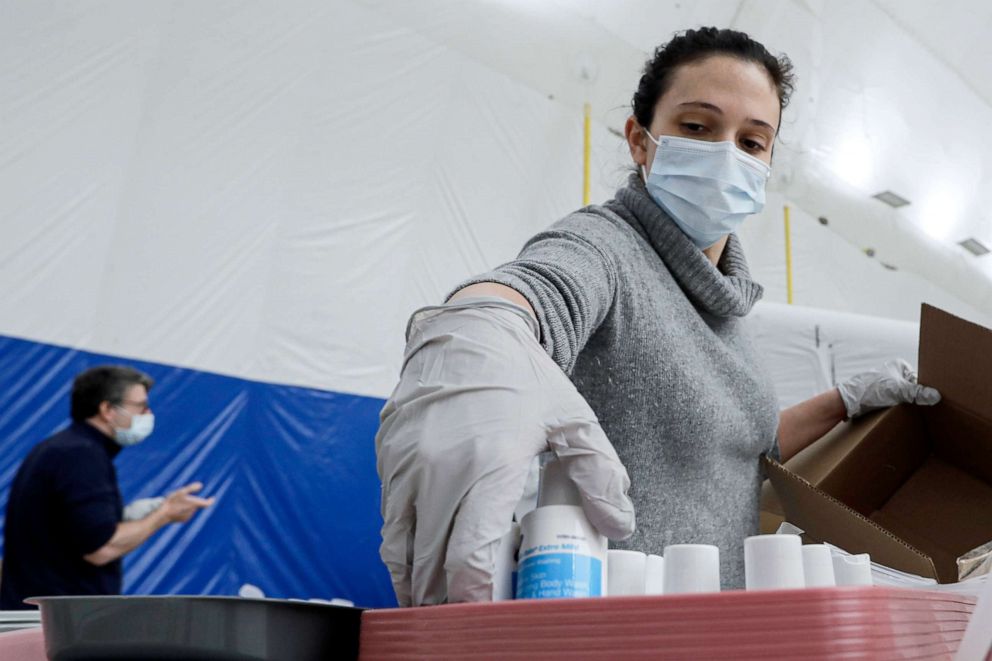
[268, 189]
[810, 350]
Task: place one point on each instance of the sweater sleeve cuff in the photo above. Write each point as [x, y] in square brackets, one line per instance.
[521, 287]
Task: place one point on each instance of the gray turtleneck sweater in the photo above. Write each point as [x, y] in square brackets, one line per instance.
[653, 336]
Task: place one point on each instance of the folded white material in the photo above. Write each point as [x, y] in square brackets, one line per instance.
[142, 507]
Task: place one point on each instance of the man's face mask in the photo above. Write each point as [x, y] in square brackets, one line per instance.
[708, 188]
[141, 428]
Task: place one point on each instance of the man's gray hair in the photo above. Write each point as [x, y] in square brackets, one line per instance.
[105, 383]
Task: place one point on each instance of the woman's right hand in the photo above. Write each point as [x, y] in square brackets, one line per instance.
[478, 399]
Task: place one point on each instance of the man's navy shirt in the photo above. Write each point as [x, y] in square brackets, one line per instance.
[64, 504]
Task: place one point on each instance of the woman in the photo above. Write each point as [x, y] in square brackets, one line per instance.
[641, 301]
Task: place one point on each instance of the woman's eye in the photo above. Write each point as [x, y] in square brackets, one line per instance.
[692, 127]
[752, 145]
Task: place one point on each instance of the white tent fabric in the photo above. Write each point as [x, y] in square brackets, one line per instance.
[830, 273]
[810, 350]
[267, 190]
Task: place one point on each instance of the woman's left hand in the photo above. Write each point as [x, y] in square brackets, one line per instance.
[894, 384]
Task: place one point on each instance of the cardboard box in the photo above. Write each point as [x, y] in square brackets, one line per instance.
[911, 485]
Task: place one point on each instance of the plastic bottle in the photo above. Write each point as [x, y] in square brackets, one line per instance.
[561, 554]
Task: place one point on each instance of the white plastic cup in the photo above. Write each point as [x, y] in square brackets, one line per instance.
[817, 566]
[773, 562]
[561, 555]
[852, 569]
[654, 575]
[692, 568]
[625, 572]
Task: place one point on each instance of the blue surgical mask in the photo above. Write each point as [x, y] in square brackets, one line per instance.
[141, 428]
[708, 188]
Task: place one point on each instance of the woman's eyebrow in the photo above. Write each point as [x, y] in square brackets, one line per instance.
[704, 105]
[709, 106]
[758, 122]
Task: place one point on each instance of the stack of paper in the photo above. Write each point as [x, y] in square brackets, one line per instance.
[847, 622]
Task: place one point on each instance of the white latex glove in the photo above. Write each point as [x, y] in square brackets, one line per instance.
[139, 509]
[894, 384]
[478, 399]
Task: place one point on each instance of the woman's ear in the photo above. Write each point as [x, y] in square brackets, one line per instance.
[636, 141]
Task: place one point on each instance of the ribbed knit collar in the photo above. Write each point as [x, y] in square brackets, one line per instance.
[724, 290]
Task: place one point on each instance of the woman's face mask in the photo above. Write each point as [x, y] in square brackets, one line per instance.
[708, 188]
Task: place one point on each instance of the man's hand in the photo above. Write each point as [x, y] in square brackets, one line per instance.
[181, 505]
[478, 399]
[894, 384]
[178, 507]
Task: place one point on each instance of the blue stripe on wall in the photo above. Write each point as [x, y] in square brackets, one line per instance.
[293, 470]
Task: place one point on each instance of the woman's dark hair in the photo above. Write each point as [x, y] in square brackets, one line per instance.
[694, 45]
[107, 383]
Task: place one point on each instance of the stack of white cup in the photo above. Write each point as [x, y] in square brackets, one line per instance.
[692, 568]
[654, 575]
[626, 573]
[818, 568]
[771, 562]
[632, 573]
[853, 569]
[778, 562]
[685, 568]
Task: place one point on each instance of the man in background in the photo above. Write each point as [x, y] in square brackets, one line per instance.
[65, 531]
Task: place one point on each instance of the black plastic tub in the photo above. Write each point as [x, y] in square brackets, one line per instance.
[216, 628]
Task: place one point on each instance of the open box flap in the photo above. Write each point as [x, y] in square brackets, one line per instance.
[826, 519]
[818, 460]
[956, 359]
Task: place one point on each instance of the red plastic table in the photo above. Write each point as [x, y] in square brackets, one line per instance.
[834, 623]
[829, 623]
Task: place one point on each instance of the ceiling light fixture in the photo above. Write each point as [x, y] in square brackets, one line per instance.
[890, 198]
[974, 246]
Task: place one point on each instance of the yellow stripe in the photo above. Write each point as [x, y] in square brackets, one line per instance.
[585, 153]
[788, 257]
